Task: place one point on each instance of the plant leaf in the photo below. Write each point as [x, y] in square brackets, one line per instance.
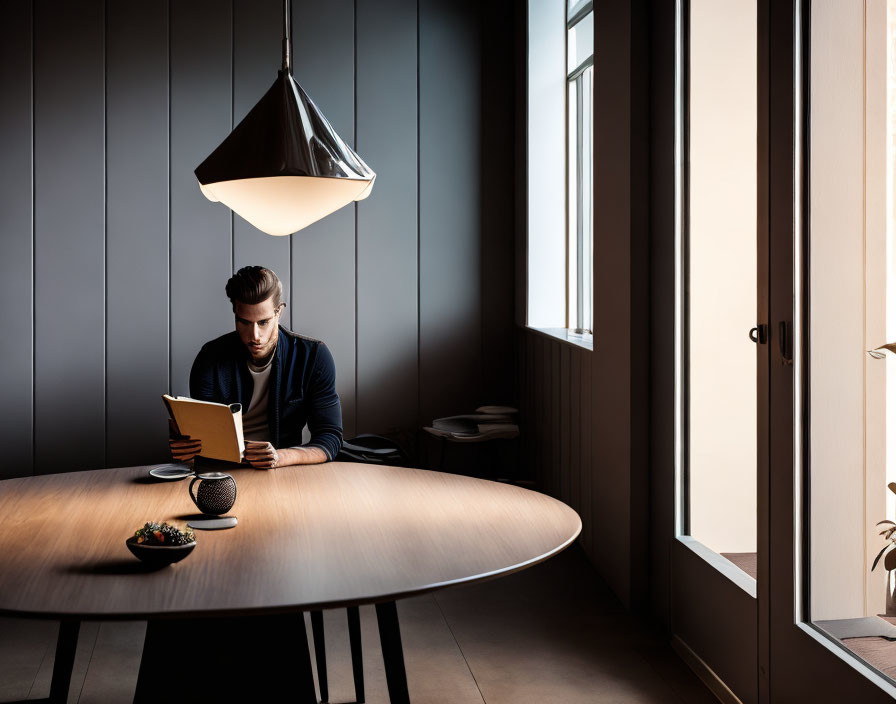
[890, 560]
[892, 487]
[880, 523]
[877, 559]
[879, 352]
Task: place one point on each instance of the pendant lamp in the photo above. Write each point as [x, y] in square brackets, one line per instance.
[284, 167]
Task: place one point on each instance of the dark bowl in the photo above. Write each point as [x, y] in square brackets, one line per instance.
[159, 555]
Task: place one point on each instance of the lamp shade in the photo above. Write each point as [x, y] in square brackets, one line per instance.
[284, 167]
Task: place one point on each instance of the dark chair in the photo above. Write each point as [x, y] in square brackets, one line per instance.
[370, 449]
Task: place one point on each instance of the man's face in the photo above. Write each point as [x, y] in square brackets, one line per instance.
[257, 325]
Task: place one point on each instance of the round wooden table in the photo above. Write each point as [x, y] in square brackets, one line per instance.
[309, 538]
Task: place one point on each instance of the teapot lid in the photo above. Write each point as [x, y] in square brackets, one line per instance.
[214, 475]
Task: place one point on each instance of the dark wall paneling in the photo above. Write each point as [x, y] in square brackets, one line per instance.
[201, 238]
[584, 434]
[257, 32]
[450, 320]
[323, 254]
[387, 363]
[614, 427]
[575, 424]
[412, 290]
[136, 232]
[639, 317]
[544, 415]
[69, 235]
[611, 376]
[496, 224]
[556, 483]
[527, 391]
[16, 315]
[564, 388]
[662, 311]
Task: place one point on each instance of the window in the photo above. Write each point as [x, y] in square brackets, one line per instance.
[560, 83]
[580, 158]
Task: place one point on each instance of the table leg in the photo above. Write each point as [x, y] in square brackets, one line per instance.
[304, 681]
[354, 637]
[320, 653]
[393, 657]
[66, 645]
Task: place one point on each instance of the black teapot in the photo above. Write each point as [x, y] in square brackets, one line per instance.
[215, 494]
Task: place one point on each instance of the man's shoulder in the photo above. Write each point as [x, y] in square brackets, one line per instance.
[303, 350]
[299, 338]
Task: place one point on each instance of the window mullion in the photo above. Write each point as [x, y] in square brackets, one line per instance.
[580, 207]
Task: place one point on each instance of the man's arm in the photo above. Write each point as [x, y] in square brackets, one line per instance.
[202, 377]
[263, 455]
[325, 410]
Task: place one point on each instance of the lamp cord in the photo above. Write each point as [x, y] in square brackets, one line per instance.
[286, 38]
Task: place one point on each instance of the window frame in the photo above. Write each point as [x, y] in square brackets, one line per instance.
[576, 323]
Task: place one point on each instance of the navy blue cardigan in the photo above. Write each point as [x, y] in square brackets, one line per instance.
[302, 387]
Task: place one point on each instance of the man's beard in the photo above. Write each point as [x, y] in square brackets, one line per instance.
[262, 361]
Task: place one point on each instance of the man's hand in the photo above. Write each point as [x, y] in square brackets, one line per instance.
[183, 447]
[261, 455]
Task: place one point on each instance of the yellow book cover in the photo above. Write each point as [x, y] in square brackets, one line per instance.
[218, 425]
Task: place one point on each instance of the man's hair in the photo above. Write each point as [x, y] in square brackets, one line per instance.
[254, 284]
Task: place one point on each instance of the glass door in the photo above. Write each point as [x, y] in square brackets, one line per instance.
[721, 343]
[832, 230]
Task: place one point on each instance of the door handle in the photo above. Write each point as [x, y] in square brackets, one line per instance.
[785, 343]
[759, 334]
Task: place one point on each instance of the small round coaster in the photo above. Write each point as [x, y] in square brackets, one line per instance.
[212, 523]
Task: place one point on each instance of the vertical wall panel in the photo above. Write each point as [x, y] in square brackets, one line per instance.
[200, 229]
[575, 423]
[525, 404]
[556, 420]
[257, 32]
[69, 241]
[565, 393]
[323, 254]
[584, 435]
[496, 136]
[387, 221]
[546, 396]
[136, 232]
[539, 416]
[16, 349]
[450, 322]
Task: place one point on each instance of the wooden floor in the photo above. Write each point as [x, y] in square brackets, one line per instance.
[553, 633]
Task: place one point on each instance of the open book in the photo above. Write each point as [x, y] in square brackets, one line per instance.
[219, 426]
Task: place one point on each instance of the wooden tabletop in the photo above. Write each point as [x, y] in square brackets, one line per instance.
[321, 536]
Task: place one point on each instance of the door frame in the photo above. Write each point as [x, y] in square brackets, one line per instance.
[722, 648]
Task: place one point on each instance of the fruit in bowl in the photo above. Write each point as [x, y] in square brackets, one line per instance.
[160, 544]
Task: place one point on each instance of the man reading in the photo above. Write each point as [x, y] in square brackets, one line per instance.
[282, 380]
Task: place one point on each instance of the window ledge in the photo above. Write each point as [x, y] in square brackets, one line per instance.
[585, 341]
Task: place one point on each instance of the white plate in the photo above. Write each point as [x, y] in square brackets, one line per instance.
[171, 472]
